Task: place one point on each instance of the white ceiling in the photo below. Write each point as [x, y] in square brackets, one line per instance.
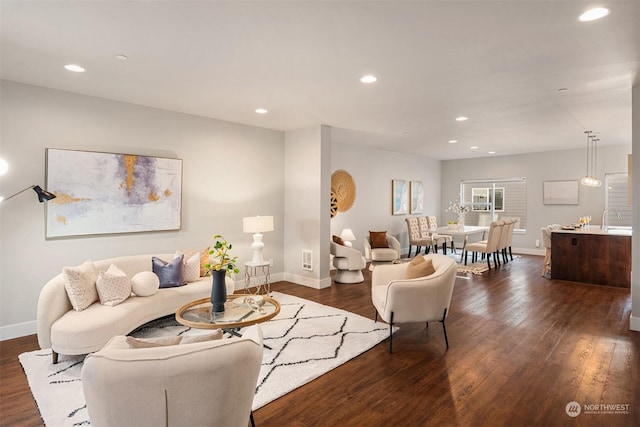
[500, 63]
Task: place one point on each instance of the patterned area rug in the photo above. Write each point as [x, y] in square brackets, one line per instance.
[306, 339]
[477, 267]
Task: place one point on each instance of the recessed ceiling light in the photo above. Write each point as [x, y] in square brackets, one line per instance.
[491, 152]
[474, 147]
[462, 118]
[368, 79]
[74, 68]
[261, 111]
[453, 141]
[593, 14]
[4, 166]
[122, 57]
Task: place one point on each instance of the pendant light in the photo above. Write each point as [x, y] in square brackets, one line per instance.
[590, 179]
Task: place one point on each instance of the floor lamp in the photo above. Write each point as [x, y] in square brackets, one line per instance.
[43, 195]
[257, 225]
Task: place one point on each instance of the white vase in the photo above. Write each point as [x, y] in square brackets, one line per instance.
[461, 220]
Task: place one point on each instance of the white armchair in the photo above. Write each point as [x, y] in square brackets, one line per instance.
[348, 262]
[210, 382]
[423, 299]
[390, 253]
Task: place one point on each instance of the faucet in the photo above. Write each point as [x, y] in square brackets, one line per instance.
[604, 217]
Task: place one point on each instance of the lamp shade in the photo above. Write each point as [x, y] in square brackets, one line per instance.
[257, 224]
[347, 234]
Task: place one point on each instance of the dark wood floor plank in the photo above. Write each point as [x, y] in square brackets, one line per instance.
[522, 347]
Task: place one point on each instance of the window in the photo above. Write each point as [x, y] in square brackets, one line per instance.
[482, 199]
[617, 200]
[491, 200]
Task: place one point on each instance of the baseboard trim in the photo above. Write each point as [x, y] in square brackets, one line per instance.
[528, 251]
[634, 323]
[17, 330]
[306, 281]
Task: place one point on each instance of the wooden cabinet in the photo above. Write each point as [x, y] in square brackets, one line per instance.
[600, 258]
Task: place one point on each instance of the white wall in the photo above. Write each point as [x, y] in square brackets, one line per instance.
[229, 171]
[307, 196]
[372, 171]
[635, 251]
[537, 168]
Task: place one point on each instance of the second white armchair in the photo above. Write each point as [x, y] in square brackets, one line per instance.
[374, 251]
[348, 262]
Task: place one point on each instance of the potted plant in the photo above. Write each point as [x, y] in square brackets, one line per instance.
[459, 209]
[224, 264]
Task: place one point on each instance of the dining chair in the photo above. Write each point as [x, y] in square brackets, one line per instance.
[416, 238]
[487, 247]
[504, 239]
[446, 240]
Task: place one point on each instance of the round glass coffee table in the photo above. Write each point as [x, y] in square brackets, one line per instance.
[240, 310]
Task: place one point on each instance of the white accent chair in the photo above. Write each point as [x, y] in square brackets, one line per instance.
[204, 383]
[389, 254]
[424, 299]
[348, 262]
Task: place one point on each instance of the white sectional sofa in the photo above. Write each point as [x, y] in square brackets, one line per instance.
[71, 332]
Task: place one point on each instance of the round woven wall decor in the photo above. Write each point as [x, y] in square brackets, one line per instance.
[342, 184]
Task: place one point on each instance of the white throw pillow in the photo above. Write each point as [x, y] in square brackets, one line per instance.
[145, 283]
[191, 266]
[80, 284]
[113, 286]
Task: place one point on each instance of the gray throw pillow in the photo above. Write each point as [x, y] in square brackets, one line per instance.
[170, 273]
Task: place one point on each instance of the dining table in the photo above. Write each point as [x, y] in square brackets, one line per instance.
[465, 232]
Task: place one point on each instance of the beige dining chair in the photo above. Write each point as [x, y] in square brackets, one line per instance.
[444, 239]
[504, 239]
[487, 247]
[416, 238]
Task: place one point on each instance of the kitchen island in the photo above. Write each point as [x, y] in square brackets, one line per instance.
[592, 255]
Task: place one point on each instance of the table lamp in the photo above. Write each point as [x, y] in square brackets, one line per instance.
[257, 225]
[348, 236]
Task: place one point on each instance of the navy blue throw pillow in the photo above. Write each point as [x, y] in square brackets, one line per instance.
[170, 273]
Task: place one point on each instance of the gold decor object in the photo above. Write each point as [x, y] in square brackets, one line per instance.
[344, 188]
[334, 204]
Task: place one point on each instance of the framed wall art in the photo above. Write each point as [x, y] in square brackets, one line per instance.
[417, 197]
[105, 193]
[560, 192]
[399, 197]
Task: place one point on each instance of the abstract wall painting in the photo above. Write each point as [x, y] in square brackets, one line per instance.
[106, 193]
[400, 197]
[417, 197]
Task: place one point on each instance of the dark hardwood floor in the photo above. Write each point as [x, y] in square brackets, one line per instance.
[522, 348]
